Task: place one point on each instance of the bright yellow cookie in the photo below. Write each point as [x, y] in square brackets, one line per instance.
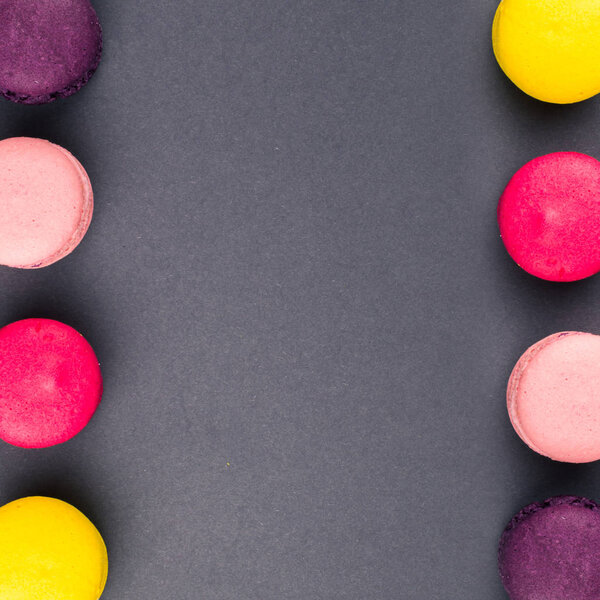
[49, 551]
[550, 48]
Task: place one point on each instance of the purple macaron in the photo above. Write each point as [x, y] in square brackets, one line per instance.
[551, 551]
[48, 48]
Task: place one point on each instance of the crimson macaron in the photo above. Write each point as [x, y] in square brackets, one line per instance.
[549, 216]
[50, 383]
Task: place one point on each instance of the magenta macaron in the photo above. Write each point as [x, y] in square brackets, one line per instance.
[549, 216]
[50, 383]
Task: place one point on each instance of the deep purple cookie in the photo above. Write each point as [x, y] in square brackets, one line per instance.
[551, 551]
[48, 48]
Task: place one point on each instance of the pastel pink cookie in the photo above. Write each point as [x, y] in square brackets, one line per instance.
[46, 202]
[553, 397]
[549, 216]
[50, 383]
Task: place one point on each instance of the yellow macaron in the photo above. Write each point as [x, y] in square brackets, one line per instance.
[550, 48]
[49, 551]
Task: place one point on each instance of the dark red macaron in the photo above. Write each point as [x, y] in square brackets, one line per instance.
[50, 383]
[551, 550]
[48, 48]
[549, 216]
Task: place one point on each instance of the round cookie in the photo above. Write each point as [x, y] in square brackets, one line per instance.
[50, 383]
[48, 48]
[553, 397]
[49, 551]
[549, 216]
[46, 202]
[550, 48]
[549, 551]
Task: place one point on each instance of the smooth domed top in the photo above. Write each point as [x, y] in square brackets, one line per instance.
[46, 202]
[550, 49]
[49, 550]
[50, 383]
[549, 216]
[553, 397]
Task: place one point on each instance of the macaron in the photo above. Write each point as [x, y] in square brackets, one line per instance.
[550, 551]
[550, 49]
[49, 550]
[50, 383]
[553, 397]
[48, 48]
[549, 216]
[46, 202]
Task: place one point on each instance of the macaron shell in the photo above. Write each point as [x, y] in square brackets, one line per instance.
[549, 216]
[550, 49]
[46, 202]
[553, 397]
[48, 48]
[515, 379]
[50, 383]
[549, 551]
[49, 551]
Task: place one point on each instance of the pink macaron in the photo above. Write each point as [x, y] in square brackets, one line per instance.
[549, 216]
[553, 397]
[50, 383]
[46, 202]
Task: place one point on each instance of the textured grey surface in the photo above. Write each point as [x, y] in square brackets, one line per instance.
[304, 313]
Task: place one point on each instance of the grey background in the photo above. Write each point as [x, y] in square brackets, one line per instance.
[304, 314]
